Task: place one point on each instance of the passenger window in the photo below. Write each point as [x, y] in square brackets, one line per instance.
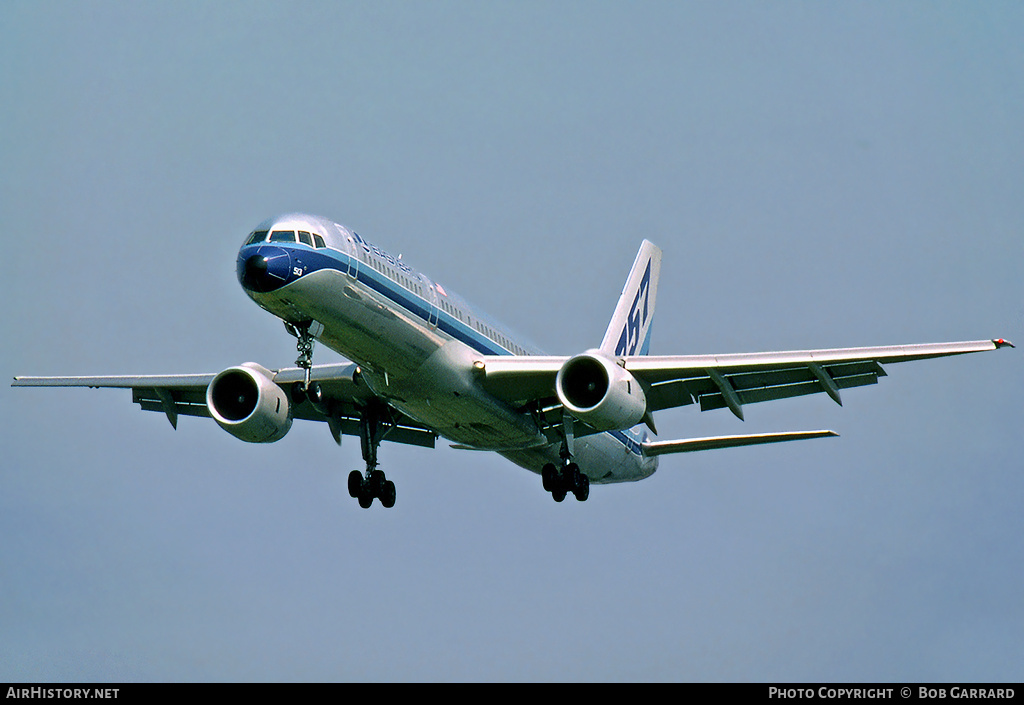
[305, 238]
[257, 236]
[282, 236]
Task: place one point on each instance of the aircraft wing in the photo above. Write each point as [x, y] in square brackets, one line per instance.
[185, 395]
[724, 381]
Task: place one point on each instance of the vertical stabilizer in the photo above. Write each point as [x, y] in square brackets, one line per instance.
[629, 332]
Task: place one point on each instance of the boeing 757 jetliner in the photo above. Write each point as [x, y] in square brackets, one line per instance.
[426, 364]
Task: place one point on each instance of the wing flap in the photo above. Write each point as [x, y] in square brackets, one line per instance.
[760, 394]
[149, 400]
[763, 386]
[669, 395]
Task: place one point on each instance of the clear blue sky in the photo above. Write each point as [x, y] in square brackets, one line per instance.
[817, 174]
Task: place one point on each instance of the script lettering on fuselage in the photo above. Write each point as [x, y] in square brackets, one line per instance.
[629, 339]
[384, 255]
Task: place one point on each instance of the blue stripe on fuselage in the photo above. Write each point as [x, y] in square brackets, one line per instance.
[314, 260]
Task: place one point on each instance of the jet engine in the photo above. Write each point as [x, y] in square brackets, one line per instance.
[600, 393]
[247, 403]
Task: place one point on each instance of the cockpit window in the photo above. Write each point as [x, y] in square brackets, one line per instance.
[305, 238]
[257, 236]
[319, 240]
[282, 236]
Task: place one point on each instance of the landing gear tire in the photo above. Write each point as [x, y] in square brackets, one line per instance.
[365, 499]
[376, 486]
[571, 476]
[355, 484]
[387, 495]
[549, 477]
[561, 482]
[582, 489]
[375, 483]
[314, 393]
[360, 489]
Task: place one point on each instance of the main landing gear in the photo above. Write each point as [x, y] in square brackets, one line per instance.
[374, 422]
[560, 482]
[569, 479]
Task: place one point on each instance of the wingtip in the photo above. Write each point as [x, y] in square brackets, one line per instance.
[1001, 343]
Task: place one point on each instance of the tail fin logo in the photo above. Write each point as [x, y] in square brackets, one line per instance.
[629, 338]
[629, 331]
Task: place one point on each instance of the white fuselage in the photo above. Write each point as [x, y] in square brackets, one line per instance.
[416, 344]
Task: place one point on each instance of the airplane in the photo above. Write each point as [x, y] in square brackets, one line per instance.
[425, 364]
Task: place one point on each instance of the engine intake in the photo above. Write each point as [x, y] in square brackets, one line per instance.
[247, 403]
[600, 393]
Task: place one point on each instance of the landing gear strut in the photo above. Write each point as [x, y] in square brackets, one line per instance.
[374, 422]
[560, 482]
[306, 334]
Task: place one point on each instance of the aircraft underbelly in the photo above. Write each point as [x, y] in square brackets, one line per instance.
[362, 325]
[421, 372]
[604, 459]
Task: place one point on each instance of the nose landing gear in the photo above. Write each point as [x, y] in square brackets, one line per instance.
[305, 334]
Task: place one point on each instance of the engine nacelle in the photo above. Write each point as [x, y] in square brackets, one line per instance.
[597, 391]
[247, 404]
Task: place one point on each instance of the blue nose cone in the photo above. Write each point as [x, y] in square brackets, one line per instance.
[264, 268]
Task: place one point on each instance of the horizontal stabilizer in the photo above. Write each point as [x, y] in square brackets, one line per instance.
[715, 442]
